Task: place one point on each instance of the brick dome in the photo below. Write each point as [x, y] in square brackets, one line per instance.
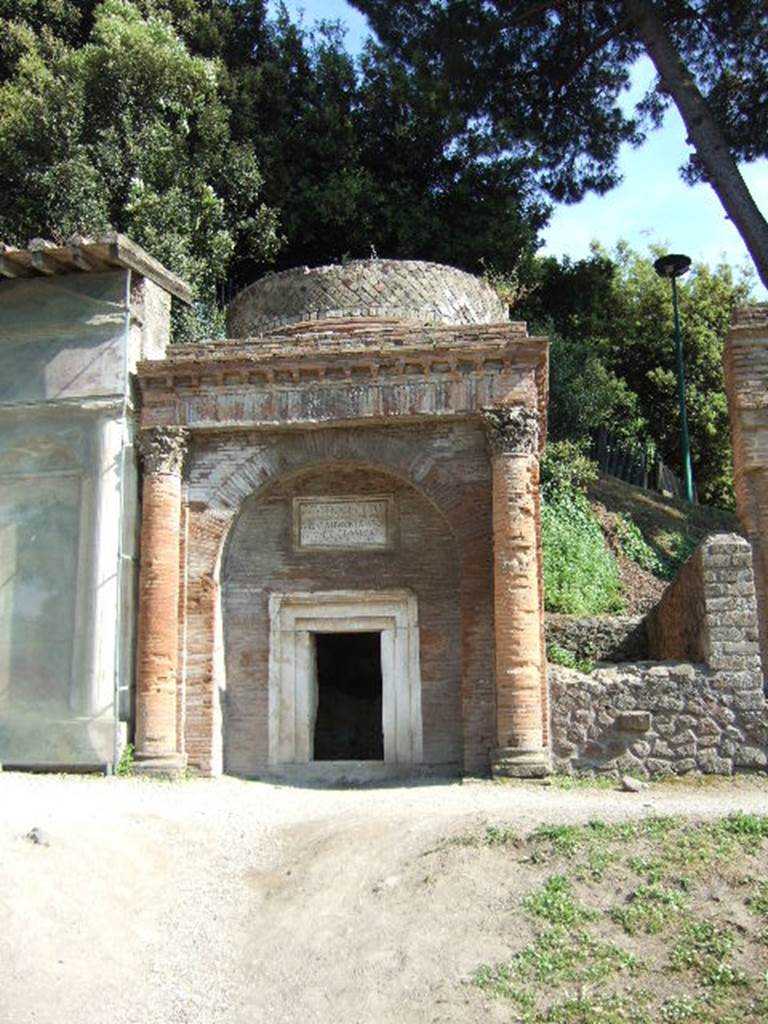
[405, 290]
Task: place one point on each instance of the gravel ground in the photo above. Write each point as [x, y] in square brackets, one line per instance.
[222, 900]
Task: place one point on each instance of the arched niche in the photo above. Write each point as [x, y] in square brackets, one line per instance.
[279, 589]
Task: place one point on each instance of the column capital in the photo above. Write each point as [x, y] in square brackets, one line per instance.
[162, 449]
[511, 429]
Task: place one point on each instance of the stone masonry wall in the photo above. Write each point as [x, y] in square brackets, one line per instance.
[675, 716]
[599, 638]
[677, 625]
[393, 289]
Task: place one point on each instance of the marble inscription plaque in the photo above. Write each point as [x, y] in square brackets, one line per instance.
[343, 522]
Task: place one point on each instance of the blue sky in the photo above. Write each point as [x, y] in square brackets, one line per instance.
[651, 205]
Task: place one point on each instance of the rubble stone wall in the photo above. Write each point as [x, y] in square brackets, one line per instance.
[675, 716]
[599, 638]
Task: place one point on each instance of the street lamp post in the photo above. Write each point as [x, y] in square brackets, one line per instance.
[672, 267]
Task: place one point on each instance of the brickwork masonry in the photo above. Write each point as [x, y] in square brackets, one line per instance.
[674, 717]
[390, 289]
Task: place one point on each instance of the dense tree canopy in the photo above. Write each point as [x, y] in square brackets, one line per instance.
[612, 357]
[228, 142]
[547, 74]
[127, 130]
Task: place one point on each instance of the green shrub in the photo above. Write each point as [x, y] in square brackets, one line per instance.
[681, 546]
[580, 573]
[635, 546]
[560, 655]
[566, 468]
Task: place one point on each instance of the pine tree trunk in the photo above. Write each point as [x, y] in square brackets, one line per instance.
[711, 146]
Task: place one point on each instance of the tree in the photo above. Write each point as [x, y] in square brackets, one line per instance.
[229, 142]
[612, 360]
[365, 156]
[127, 131]
[546, 75]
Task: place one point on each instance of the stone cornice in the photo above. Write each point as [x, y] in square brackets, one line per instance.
[511, 429]
[260, 363]
[162, 449]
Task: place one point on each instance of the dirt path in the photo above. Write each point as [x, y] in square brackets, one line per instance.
[213, 901]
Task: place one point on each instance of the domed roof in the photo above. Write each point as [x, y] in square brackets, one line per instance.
[407, 290]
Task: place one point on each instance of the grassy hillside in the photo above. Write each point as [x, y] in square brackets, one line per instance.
[648, 535]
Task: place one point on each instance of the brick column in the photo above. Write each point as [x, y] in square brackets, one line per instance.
[513, 438]
[157, 743]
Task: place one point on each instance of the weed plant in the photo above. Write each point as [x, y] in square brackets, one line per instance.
[580, 573]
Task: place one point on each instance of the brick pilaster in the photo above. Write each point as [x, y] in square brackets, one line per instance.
[157, 747]
[513, 437]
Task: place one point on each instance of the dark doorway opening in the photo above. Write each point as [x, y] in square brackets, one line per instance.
[348, 725]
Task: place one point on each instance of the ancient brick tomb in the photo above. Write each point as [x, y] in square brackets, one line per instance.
[342, 504]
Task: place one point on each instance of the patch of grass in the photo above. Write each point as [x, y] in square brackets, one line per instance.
[125, 765]
[570, 782]
[704, 948]
[558, 955]
[592, 848]
[635, 546]
[555, 903]
[492, 835]
[559, 655]
[598, 1010]
[679, 545]
[576, 970]
[499, 835]
[651, 909]
[758, 903]
[682, 1009]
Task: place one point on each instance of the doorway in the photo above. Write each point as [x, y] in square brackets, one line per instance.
[297, 621]
[348, 726]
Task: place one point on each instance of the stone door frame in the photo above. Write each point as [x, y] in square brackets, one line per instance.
[294, 617]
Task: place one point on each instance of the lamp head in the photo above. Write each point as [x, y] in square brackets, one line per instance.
[672, 265]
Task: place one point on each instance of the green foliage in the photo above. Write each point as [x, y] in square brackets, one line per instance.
[580, 573]
[612, 358]
[227, 142]
[636, 548]
[558, 655]
[566, 468]
[552, 79]
[125, 765]
[129, 130]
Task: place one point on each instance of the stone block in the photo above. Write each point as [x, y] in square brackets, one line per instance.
[634, 721]
[750, 757]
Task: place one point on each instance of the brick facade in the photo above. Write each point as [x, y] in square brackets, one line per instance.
[746, 385]
[360, 407]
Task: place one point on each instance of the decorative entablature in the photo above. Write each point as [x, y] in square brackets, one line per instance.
[344, 374]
